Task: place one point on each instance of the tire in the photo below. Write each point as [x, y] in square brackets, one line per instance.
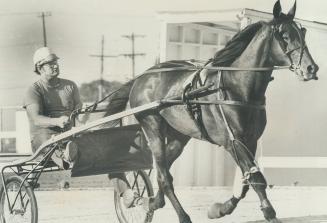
[144, 189]
[25, 208]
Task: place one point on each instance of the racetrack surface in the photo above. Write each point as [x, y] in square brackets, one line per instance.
[292, 204]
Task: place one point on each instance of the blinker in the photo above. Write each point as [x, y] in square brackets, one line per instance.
[304, 31]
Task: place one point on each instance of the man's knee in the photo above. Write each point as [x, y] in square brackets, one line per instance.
[39, 139]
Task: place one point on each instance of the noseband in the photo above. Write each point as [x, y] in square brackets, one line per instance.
[288, 51]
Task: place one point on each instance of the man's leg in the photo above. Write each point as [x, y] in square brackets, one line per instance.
[123, 188]
[40, 138]
[37, 140]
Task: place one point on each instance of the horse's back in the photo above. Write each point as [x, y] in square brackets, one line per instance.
[160, 83]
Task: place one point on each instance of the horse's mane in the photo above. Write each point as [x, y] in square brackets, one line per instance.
[235, 47]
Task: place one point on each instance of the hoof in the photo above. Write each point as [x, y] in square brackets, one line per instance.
[154, 204]
[275, 220]
[214, 211]
[219, 210]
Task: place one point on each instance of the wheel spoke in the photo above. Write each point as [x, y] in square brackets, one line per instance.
[24, 210]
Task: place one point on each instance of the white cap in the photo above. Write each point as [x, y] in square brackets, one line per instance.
[43, 55]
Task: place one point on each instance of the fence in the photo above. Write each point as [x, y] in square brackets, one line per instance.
[292, 162]
[14, 131]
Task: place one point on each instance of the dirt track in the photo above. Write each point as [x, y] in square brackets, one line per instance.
[294, 204]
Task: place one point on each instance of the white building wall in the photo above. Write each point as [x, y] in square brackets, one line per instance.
[201, 163]
[23, 142]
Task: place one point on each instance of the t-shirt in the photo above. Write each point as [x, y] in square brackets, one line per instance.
[54, 101]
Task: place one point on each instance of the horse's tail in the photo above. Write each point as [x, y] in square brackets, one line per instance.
[118, 100]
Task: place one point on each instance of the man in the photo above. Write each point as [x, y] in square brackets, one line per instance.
[49, 103]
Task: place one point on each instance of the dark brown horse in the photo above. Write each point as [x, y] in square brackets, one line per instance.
[236, 126]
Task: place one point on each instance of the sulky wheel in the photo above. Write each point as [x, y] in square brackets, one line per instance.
[141, 185]
[22, 200]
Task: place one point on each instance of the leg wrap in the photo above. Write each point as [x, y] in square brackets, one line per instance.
[247, 174]
[229, 206]
[255, 178]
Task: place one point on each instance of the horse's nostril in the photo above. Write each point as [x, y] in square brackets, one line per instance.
[312, 69]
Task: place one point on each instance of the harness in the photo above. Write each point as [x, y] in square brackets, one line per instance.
[194, 106]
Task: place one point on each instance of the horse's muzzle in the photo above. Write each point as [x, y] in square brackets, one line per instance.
[312, 69]
[312, 72]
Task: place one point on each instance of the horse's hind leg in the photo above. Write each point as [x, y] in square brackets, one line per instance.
[154, 128]
[218, 210]
[175, 145]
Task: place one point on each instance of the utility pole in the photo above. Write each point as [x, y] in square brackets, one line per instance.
[133, 54]
[43, 15]
[102, 56]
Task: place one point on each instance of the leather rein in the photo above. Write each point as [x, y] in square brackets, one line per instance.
[254, 105]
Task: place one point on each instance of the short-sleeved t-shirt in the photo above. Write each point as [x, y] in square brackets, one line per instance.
[54, 101]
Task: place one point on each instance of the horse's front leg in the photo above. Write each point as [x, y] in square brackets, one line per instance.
[259, 184]
[244, 157]
[218, 210]
[153, 128]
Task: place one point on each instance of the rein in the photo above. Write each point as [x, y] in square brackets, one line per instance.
[252, 105]
[217, 102]
[196, 67]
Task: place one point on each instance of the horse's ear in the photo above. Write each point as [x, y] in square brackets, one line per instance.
[291, 13]
[277, 10]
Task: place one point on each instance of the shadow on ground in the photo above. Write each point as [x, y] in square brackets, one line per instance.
[306, 219]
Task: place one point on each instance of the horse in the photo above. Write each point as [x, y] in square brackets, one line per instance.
[236, 126]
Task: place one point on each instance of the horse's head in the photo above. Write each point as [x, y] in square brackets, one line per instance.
[288, 45]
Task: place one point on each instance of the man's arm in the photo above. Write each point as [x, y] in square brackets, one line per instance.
[77, 99]
[33, 112]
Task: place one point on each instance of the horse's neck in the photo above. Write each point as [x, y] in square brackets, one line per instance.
[249, 85]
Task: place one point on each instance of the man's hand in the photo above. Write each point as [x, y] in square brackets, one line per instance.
[62, 121]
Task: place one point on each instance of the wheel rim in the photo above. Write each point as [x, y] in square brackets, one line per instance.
[135, 214]
[22, 210]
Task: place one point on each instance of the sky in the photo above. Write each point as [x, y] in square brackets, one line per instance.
[75, 28]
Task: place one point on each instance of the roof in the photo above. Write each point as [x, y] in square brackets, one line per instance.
[228, 17]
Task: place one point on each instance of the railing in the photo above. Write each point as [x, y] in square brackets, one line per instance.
[20, 135]
[292, 162]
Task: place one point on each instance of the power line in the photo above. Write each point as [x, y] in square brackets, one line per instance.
[133, 54]
[28, 44]
[42, 15]
[102, 56]
[17, 13]
[13, 87]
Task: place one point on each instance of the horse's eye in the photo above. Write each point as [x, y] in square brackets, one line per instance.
[285, 38]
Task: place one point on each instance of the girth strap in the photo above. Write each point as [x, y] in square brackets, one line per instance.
[194, 109]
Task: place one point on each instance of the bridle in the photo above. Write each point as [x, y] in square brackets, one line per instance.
[288, 52]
